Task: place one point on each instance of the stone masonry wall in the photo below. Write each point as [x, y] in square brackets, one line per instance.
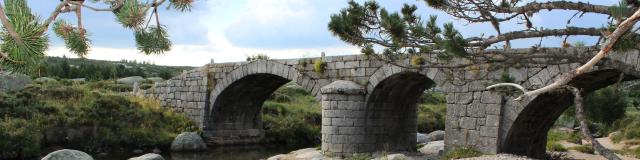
[343, 120]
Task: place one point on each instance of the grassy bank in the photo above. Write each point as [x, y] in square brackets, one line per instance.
[75, 116]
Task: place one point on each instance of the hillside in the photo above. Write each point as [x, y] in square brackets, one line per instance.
[90, 69]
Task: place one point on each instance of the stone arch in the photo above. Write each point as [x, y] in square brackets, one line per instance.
[388, 70]
[525, 125]
[391, 115]
[235, 102]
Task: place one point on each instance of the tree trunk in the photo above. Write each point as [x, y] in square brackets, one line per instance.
[584, 128]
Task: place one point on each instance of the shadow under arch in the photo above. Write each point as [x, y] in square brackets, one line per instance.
[391, 114]
[528, 133]
[235, 116]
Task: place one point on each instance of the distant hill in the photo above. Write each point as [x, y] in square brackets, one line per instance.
[62, 67]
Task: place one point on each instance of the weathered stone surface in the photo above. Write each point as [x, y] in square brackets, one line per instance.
[188, 141]
[436, 135]
[433, 148]
[422, 138]
[67, 154]
[13, 81]
[148, 156]
[45, 80]
[130, 80]
[475, 116]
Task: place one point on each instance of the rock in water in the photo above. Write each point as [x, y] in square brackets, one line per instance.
[67, 154]
[436, 135]
[422, 138]
[188, 141]
[148, 156]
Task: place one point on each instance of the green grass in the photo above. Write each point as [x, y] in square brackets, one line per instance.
[583, 149]
[78, 117]
[628, 126]
[555, 146]
[291, 115]
[462, 152]
[431, 112]
[359, 156]
[556, 135]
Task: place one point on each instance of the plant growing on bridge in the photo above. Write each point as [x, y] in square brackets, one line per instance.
[319, 65]
[24, 38]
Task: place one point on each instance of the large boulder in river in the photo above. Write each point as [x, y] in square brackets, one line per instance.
[148, 156]
[67, 154]
[436, 135]
[433, 148]
[188, 141]
[422, 138]
[130, 80]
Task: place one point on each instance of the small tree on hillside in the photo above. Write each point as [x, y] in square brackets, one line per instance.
[24, 40]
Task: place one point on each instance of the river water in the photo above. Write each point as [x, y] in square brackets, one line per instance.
[245, 152]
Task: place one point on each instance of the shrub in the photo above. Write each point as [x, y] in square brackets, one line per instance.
[556, 135]
[583, 149]
[431, 117]
[605, 105]
[555, 146]
[319, 65]
[462, 152]
[258, 56]
[75, 117]
[360, 156]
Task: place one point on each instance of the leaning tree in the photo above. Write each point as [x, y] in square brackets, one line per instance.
[24, 39]
[388, 35]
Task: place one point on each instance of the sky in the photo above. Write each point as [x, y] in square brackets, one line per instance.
[231, 30]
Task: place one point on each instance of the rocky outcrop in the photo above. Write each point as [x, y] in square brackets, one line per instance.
[422, 138]
[13, 81]
[155, 79]
[148, 156]
[307, 153]
[396, 156]
[67, 154]
[188, 141]
[130, 80]
[45, 80]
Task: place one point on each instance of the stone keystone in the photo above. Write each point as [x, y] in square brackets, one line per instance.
[343, 87]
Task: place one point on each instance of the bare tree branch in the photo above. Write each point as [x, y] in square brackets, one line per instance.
[55, 14]
[584, 127]
[608, 45]
[570, 31]
[9, 27]
[117, 5]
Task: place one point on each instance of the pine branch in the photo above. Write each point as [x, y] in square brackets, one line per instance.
[9, 27]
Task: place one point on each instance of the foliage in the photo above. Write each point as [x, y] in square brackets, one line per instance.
[556, 135]
[74, 38]
[95, 70]
[360, 156]
[407, 33]
[259, 56]
[295, 119]
[153, 40]
[28, 53]
[319, 65]
[417, 60]
[25, 51]
[82, 118]
[555, 146]
[583, 149]
[605, 105]
[431, 112]
[628, 127]
[462, 152]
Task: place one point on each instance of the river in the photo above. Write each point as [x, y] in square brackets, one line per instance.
[245, 152]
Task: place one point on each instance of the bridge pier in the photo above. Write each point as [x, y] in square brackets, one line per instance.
[343, 120]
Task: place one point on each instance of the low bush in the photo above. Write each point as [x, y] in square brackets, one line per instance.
[82, 118]
[555, 146]
[583, 149]
[462, 152]
[556, 135]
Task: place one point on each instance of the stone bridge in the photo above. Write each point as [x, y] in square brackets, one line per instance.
[372, 105]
